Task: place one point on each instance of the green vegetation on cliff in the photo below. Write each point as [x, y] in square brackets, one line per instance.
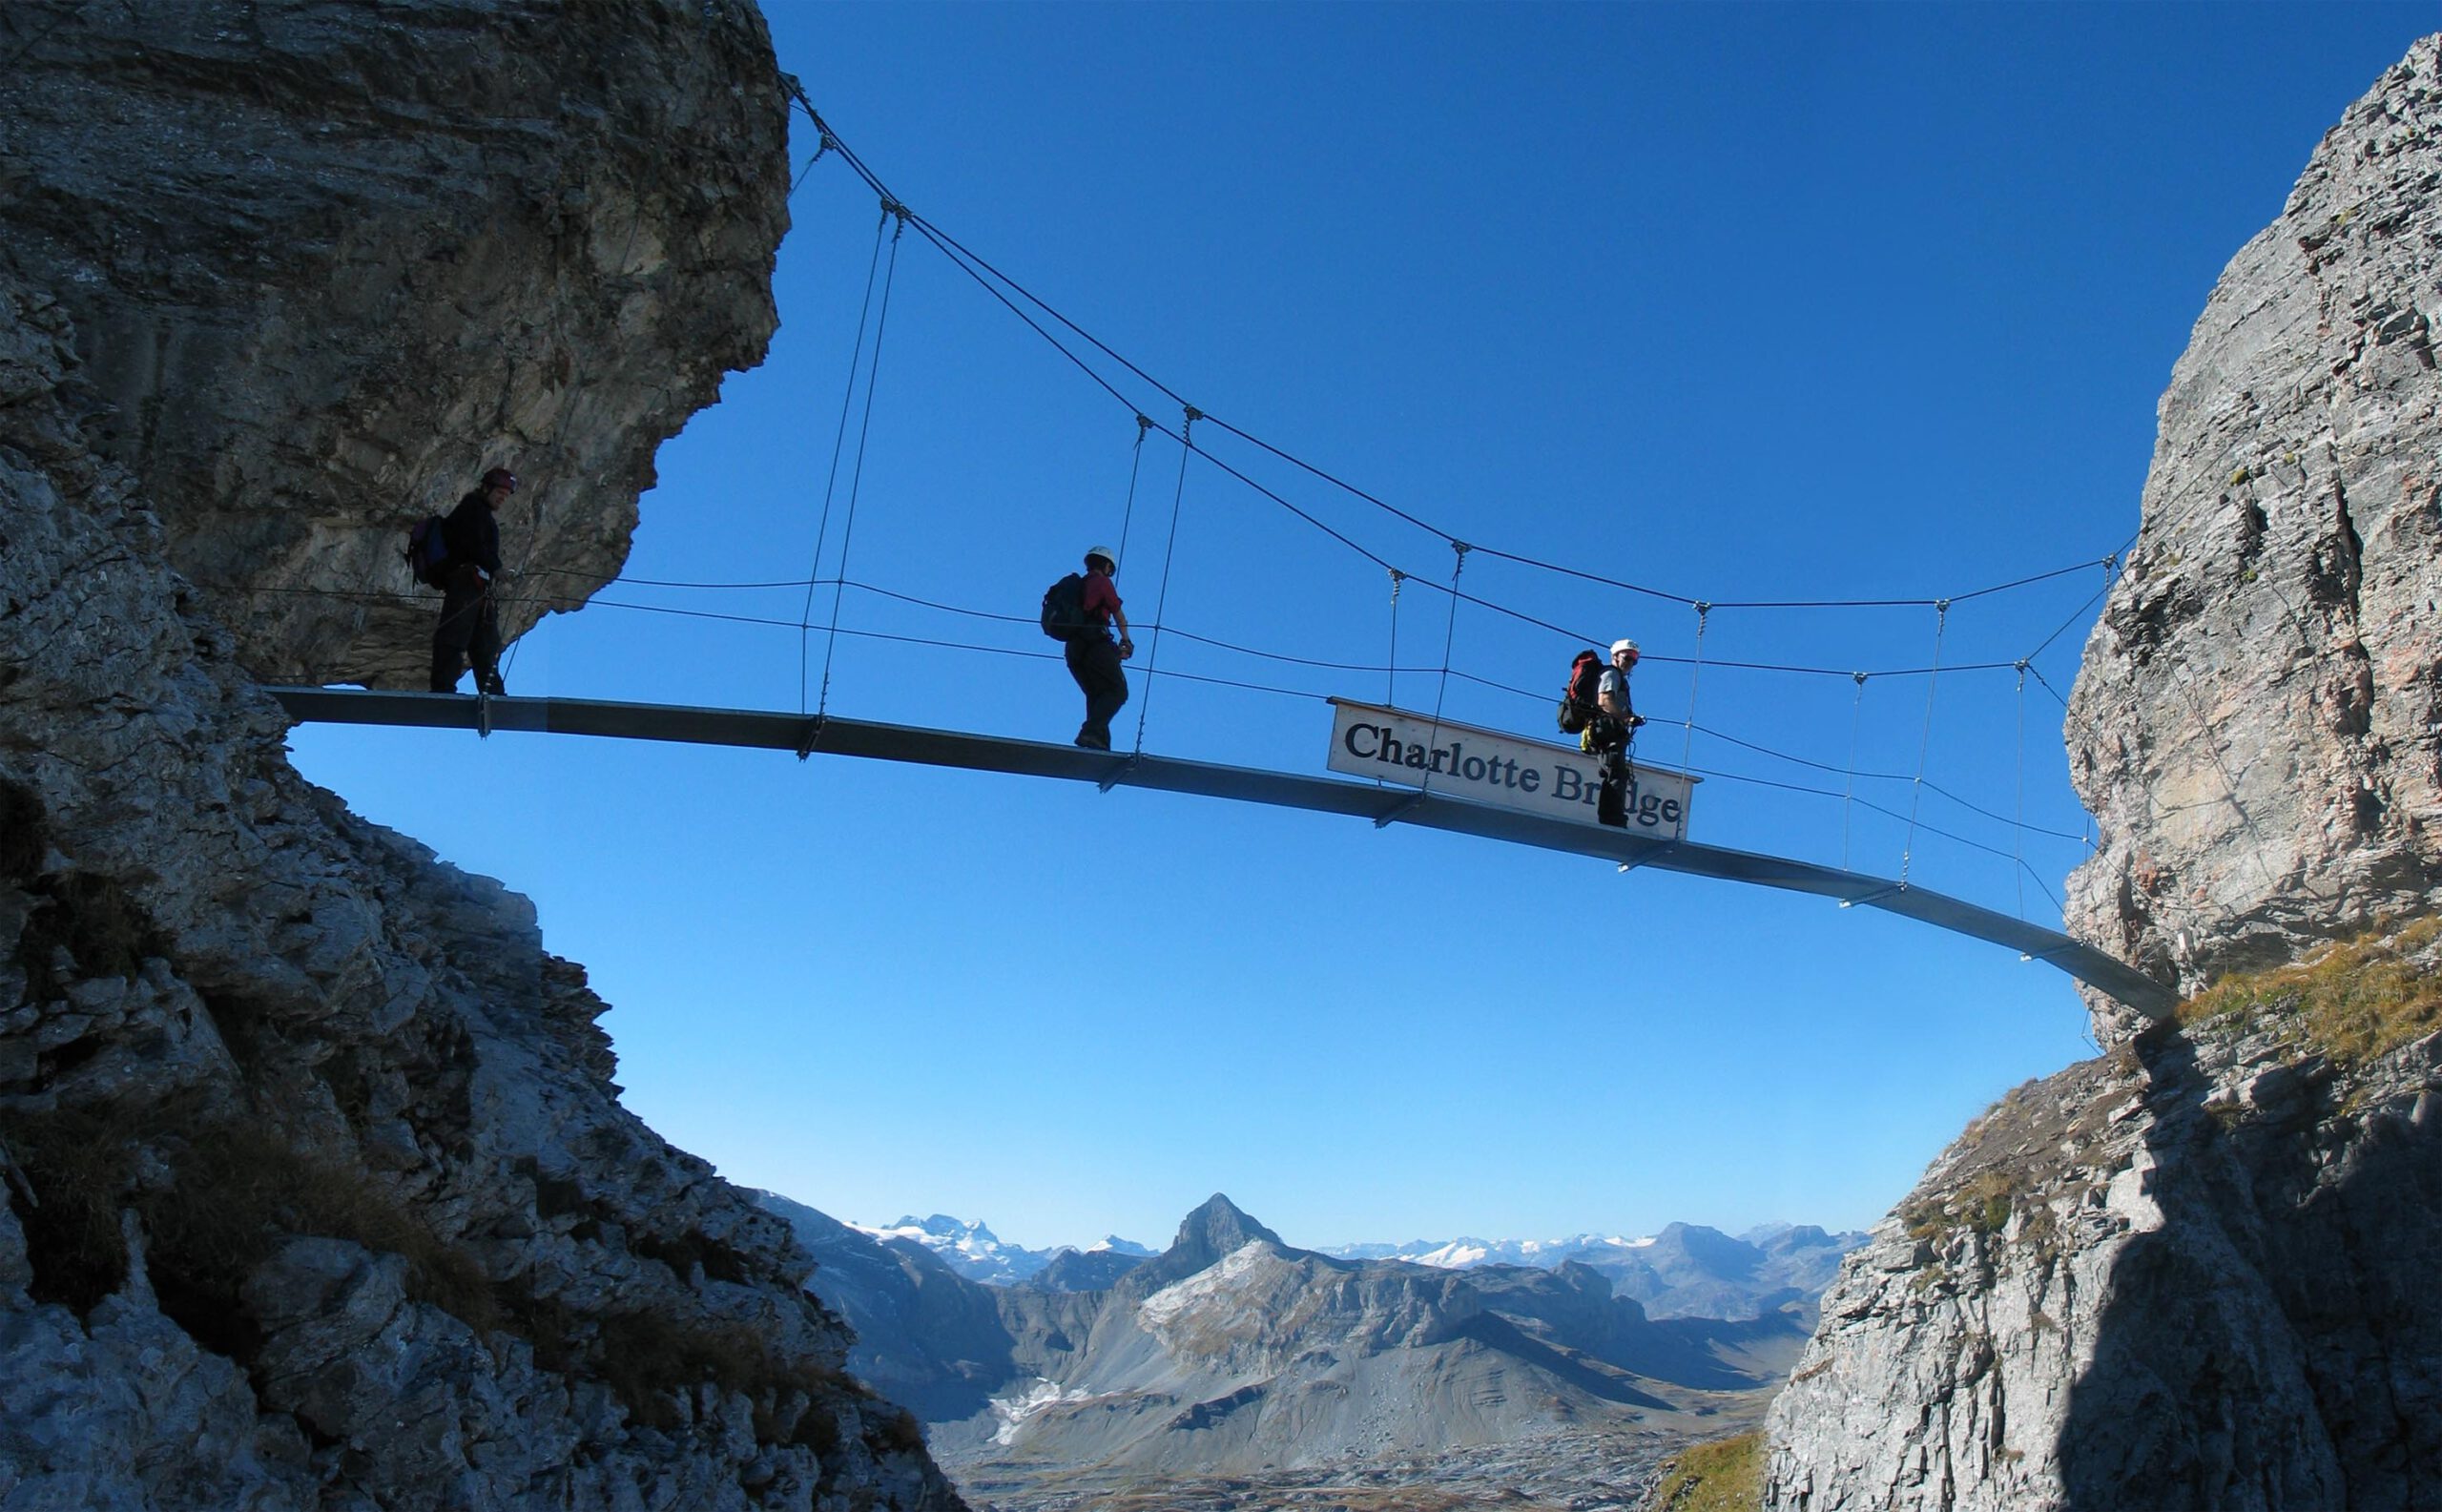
[1724, 1476]
[2353, 1001]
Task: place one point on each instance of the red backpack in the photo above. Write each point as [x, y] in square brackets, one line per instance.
[1580, 700]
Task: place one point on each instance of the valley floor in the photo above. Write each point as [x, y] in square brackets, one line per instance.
[1609, 1470]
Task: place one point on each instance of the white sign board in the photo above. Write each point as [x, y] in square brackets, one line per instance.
[1484, 766]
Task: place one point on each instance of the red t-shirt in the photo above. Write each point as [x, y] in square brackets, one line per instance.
[1102, 600]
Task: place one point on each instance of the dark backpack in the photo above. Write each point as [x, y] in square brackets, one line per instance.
[427, 552]
[1063, 609]
[1580, 699]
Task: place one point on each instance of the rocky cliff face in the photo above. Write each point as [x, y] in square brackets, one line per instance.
[2258, 724]
[317, 1191]
[324, 266]
[2197, 1271]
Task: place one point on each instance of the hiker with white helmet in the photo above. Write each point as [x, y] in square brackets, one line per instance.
[1080, 610]
[1609, 733]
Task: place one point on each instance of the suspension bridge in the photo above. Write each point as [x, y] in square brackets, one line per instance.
[812, 729]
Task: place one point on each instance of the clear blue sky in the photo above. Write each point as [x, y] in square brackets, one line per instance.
[1744, 302]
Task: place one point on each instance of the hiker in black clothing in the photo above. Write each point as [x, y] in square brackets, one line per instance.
[1607, 733]
[1094, 657]
[469, 626]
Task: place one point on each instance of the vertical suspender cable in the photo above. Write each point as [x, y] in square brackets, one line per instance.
[2017, 830]
[1449, 637]
[1161, 600]
[839, 443]
[1857, 713]
[856, 476]
[1688, 749]
[1135, 466]
[1924, 747]
[1390, 690]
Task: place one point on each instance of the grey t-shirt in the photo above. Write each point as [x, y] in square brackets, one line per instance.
[1613, 689]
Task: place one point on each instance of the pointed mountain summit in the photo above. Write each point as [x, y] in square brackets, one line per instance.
[1217, 1228]
[1206, 1237]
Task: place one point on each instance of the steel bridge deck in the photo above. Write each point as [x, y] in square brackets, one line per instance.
[831, 736]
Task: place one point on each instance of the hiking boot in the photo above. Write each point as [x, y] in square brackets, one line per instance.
[1093, 741]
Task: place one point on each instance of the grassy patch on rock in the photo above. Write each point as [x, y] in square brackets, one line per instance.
[1724, 1476]
[2351, 1001]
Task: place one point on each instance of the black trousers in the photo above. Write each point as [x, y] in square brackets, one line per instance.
[1610, 746]
[469, 627]
[1093, 660]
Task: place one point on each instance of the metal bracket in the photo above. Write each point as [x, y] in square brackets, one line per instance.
[808, 742]
[1119, 773]
[1877, 896]
[483, 714]
[1386, 819]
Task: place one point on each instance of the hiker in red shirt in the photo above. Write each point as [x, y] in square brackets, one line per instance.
[1094, 657]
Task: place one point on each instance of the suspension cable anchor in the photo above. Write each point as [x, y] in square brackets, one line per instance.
[1118, 772]
[483, 712]
[811, 738]
[1877, 896]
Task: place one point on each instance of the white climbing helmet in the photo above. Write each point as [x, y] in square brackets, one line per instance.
[1628, 646]
[1106, 554]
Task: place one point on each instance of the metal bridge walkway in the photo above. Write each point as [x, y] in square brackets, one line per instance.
[807, 734]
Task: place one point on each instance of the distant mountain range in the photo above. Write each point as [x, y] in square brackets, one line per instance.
[976, 1252]
[1685, 1271]
[1232, 1351]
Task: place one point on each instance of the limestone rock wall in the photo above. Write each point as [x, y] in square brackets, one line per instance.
[2195, 1273]
[326, 263]
[315, 1190]
[2258, 724]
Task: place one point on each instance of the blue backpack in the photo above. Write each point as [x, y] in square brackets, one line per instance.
[427, 552]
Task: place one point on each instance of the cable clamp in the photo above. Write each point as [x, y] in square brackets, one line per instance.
[1877, 896]
[1144, 424]
[2021, 664]
[1860, 677]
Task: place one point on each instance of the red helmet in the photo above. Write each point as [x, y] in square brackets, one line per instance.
[500, 478]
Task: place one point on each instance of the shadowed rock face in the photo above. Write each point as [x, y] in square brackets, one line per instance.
[324, 265]
[2256, 721]
[314, 1187]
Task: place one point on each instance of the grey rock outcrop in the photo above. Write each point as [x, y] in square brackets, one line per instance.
[315, 1191]
[2197, 1271]
[2258, 724]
